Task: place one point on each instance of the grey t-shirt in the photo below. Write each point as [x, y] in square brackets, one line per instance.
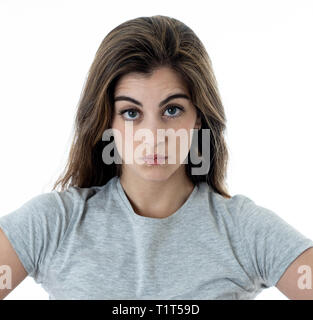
[88, 243]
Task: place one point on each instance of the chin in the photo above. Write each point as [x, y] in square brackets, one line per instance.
[154, 173]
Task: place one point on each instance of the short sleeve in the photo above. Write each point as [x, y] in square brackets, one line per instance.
[35, 230]
[270, 242]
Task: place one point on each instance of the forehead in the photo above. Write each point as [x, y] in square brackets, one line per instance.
[161, 79]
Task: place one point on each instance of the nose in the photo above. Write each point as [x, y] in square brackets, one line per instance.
[155, 136]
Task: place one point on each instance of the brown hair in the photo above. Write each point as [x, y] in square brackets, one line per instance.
[142, 45]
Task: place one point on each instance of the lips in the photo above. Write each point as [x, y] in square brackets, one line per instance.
[154, 156]
[155, 159]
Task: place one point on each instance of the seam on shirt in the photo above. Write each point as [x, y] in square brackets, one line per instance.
[41, 275]
[48, 262]
[244, 242]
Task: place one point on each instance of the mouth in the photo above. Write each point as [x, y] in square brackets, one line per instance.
[154, 159]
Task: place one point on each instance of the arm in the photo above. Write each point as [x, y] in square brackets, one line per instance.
[296, 282]
[8, 257]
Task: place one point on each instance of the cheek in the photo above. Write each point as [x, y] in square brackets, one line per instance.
[184, 139]
[118, 133]
[124, 141]
[189, 122]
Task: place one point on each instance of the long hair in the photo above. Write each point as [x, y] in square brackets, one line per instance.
[142, 45]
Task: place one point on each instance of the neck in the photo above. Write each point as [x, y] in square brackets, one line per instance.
[157, 199]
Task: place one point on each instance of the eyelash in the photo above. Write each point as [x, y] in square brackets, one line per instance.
[168, 107]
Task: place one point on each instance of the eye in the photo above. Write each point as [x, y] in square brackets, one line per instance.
[174, 108]
[171, 108]
[128, 111]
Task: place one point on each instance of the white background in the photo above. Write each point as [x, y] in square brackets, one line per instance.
[262, 58]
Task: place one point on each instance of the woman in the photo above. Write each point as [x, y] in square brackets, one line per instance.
[150, 228]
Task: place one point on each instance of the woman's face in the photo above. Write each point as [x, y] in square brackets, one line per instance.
[175, 114]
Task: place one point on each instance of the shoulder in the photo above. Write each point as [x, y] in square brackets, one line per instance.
[74, 197]
[239, 211]
[222, 205]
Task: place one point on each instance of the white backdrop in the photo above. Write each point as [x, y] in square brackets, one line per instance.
[262, 58]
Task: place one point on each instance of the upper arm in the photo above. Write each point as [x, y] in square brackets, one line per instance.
[271, 243]
[33, 233]
[9, 260]
[296, 282]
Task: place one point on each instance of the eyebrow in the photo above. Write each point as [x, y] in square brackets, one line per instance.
[173, 96]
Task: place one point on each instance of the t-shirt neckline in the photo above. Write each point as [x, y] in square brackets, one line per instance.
[174, 217]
